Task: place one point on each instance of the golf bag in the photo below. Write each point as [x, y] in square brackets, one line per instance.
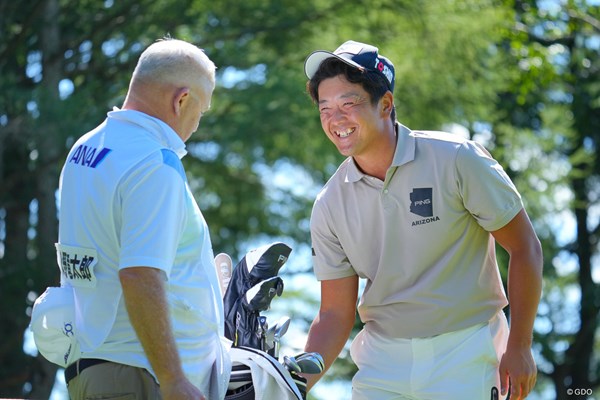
[256, 374]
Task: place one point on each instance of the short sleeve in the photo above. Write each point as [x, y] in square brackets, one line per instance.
[329, 259]
[152, 209]
[487, 191]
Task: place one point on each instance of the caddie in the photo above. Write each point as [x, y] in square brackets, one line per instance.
[134, 247]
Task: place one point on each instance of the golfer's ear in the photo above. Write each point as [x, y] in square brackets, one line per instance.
[387, 104]
[179, 98]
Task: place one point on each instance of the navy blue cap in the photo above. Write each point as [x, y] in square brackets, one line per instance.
[359, 55]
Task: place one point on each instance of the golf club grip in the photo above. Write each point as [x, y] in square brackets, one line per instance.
[300, 382]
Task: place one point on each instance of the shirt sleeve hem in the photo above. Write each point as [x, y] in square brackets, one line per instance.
[331, 276]
[507, 218]
[146, 262]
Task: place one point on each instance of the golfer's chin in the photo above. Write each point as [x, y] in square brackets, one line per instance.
[346, 151]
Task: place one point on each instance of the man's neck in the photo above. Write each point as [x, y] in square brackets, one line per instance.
[379, 159]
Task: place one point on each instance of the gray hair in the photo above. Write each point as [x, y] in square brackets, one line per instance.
[176, 62]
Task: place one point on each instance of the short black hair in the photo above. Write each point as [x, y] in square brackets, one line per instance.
[372, 82]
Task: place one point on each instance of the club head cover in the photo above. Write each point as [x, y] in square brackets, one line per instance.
[266, 261]
[258, 297]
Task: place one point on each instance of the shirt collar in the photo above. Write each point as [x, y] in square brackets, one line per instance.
[162, 132]
[353, 174]
[405, 146]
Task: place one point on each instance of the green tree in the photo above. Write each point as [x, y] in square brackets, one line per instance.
[63, 64]
[549, 135]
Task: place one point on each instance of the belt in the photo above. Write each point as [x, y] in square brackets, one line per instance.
[78, 366]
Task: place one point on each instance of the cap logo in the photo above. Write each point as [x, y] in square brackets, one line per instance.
[68, 329]
[384, 69]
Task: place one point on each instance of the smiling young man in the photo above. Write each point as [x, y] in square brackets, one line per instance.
[416, 214]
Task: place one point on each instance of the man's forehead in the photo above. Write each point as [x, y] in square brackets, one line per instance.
[344, 95]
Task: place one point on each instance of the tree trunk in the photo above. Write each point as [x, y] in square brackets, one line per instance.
[43, 372]
[575, 372]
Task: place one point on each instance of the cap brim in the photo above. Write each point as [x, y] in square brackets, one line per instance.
[52, 311]
[314, 60]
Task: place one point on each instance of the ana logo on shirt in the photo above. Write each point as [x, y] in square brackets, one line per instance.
[87, 156]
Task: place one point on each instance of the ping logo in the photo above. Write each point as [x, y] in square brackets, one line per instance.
[281, 259]
[87, 157]
[421, 202]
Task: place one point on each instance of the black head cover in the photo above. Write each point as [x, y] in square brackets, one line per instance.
[258, 265]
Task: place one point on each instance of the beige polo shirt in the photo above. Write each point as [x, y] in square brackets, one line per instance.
[420, 238]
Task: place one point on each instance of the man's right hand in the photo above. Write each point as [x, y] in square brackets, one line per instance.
[331, 328]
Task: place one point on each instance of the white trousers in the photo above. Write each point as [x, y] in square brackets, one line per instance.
[453, 366]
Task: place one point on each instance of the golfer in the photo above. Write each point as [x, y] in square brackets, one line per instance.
[416, 214]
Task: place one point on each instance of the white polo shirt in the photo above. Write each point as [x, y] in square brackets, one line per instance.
[421, 237]
[125, 202]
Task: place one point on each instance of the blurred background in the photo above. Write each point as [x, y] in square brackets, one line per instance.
[520, 77]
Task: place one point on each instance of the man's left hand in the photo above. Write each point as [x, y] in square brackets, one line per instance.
[517, 370]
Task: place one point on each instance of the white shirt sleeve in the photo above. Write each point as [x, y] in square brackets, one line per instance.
[152, 210]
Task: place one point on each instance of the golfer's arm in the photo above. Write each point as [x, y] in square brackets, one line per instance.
[147, 306]
[524, 276]
[332, 326]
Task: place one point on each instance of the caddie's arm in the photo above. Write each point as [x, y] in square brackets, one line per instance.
[332, 325]
[517, 366]
[146, 302]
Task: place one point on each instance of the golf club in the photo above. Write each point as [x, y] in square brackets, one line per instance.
[224, 267]
[310, 363]
[270, 338]
[282, 327]
[261, 329]
[291, 364]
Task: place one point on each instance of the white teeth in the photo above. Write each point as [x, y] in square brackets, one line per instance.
[345, 133]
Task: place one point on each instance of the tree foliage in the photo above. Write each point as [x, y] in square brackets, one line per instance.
[521, 78]
[549, 133]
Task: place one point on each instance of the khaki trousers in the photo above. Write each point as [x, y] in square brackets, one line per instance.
[114, 381]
